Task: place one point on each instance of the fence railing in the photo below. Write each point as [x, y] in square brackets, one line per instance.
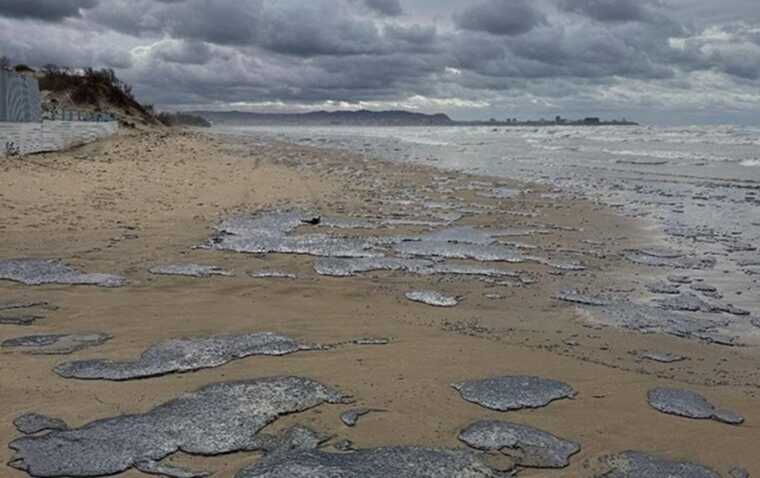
[76, 115]
[26, 138]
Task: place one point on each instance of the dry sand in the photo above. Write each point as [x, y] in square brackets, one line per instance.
[133, 202]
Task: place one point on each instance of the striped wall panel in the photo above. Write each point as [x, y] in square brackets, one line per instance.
[20, 99]
[27, 138]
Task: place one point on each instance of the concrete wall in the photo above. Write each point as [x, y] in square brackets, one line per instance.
[26, 138]
[20, 99]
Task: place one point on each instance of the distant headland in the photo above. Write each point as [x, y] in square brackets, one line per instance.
[382, 118]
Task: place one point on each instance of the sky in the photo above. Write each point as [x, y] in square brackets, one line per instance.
[655, 61]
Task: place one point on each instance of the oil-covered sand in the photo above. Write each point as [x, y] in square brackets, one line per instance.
[267, 213]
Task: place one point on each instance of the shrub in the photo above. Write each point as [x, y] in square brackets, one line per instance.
[91, 86]
[183, 119]
[21, 68]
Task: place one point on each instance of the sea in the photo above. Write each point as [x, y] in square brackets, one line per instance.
[696, 188]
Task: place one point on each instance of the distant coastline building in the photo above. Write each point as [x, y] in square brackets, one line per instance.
[592, 120]
[20, 99]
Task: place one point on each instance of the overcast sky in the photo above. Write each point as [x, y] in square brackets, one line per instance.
[659, 61]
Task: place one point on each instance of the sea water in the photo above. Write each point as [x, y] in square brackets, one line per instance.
[699, 186]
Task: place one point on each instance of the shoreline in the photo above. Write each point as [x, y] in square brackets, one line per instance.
[170, 189]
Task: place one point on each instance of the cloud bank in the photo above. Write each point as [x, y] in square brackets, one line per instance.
[486, 58]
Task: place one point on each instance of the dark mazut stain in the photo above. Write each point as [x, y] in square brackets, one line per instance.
[451, 250]
[663, 288]
[50, 271]
[561, 265]
[272, 275]
[658, 257]
[191, 270]
[514, 392]
[635, 464]
[472, 235]
[214, 420]
[56, 344]
[647, 319]
[171, 471]
[271, 232]
[347, 267]
[690, 302]
[572, 295]
[680, 279]
[182, 355]
[298, 456]
[351, 417]
[436, 299]
[500, 193]
[344, 445]
[528, 446]
[371, 341]
[662, 357]
[706, 289]
[337, 222]
[275, 232]
[31, 423]
[738, 472]
[22, 305]
[685, 403]
[464, 242]
[24, 320]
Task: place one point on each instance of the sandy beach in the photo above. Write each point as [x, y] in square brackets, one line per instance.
[136, 201]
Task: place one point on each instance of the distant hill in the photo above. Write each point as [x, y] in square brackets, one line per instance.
[380, 118]
[326, 118]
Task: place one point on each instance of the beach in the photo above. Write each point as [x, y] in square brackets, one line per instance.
[133, 202]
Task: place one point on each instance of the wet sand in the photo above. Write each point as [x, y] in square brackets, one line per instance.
[131, 203]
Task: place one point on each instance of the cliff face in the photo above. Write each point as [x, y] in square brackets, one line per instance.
[326, 118]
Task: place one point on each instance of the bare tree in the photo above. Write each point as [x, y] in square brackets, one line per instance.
[5, 63]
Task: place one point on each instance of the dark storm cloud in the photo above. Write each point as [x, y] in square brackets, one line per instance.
[500, 17]
[731, 49]
[587, 50]
[505, 53]
[183, 52]
[611, 10]
[47, 10]
[391, 8]
[289, 27]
